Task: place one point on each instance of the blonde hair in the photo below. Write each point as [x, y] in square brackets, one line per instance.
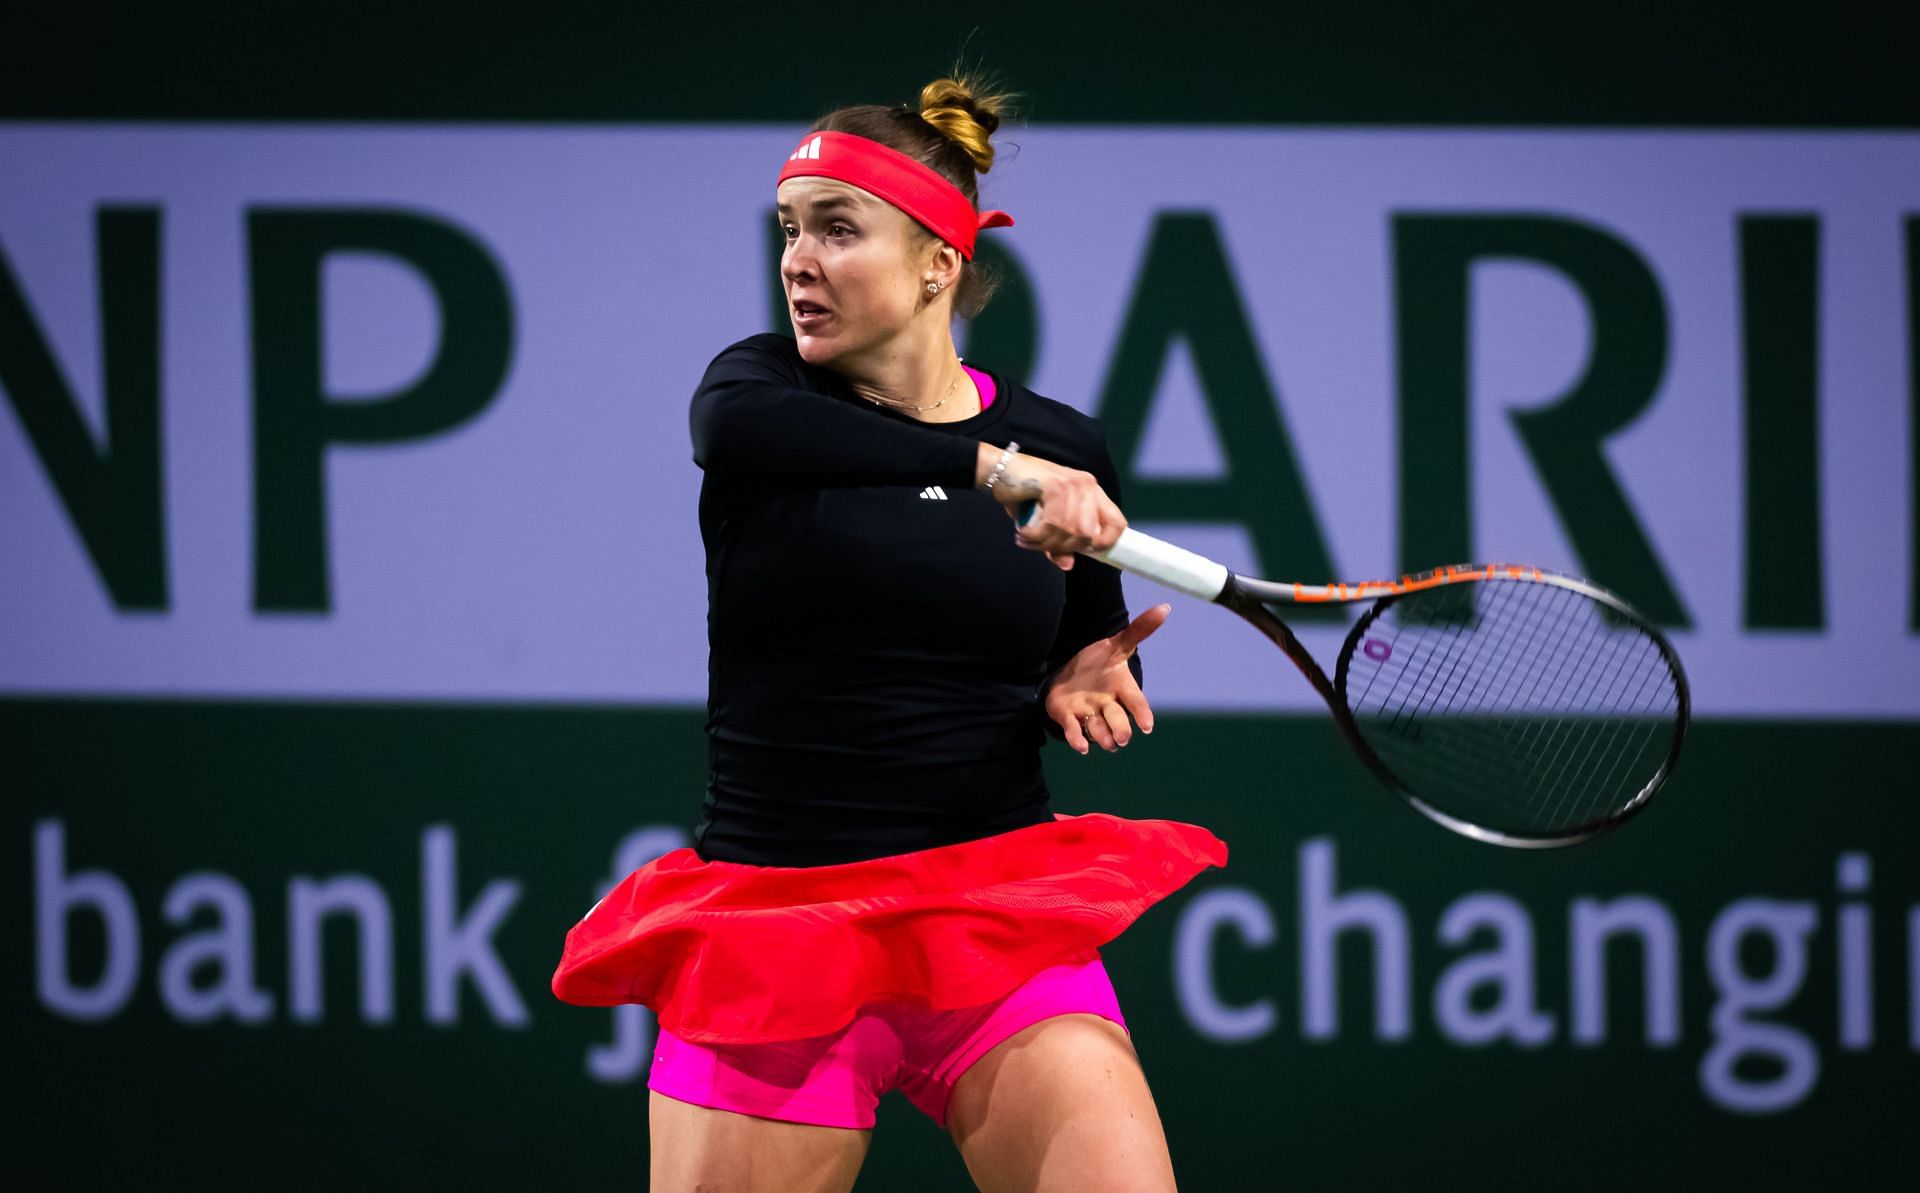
[965, 112]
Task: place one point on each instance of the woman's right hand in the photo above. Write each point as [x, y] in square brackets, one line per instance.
[1074, 513]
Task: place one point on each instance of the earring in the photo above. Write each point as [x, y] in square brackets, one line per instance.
[933, 287]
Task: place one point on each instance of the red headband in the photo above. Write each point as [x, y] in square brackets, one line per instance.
[891, 175]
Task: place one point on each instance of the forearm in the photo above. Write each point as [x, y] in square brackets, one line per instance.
[749, 426]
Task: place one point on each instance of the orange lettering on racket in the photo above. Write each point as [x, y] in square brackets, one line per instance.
[1417, 582]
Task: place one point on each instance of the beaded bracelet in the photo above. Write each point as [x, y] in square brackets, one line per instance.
[1000, 466]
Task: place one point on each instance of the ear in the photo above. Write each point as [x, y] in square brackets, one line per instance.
[943, 265]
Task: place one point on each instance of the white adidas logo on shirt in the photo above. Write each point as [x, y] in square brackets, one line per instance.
[934, 493]
[811, 150]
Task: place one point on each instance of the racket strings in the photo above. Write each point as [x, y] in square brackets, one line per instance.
[1563, 748]
[1633, 692]
[1548, 752]
[1527, 708]
[1564, 803]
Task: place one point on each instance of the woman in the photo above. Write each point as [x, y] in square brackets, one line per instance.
[879, 895]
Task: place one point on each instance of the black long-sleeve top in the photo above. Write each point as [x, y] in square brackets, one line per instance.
[877, 642]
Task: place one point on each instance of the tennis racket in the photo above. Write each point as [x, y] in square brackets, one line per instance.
[1509, 704]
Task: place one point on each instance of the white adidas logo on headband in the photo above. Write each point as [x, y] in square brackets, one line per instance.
[811, 150]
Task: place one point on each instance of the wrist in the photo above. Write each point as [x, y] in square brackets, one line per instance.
[983, 462]
[996, 472]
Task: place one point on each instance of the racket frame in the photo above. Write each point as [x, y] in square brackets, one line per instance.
[1253, 600]
[1498, 574]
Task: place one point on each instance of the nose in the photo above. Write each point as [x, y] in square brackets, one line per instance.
[798, 262]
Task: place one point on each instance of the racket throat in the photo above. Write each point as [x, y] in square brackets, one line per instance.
[1237, 596]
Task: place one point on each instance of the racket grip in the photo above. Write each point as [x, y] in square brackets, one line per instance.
[1163, 563]
[1156, 560]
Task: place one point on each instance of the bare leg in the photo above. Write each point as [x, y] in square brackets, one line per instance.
[1059, 1107]
[718, 1151]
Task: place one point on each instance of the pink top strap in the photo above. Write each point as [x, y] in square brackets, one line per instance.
[983, 383]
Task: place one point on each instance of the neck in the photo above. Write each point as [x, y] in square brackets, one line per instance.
[923, 380]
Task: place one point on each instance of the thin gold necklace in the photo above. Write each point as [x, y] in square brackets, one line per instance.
[890, 404]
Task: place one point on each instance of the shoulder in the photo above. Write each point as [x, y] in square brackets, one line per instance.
[768, 356]
[1059, 432]
[1057, 413]
[766, 349]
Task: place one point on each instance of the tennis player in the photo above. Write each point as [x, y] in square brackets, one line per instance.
[879, 895]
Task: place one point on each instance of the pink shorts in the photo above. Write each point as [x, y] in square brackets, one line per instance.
[836, 1080]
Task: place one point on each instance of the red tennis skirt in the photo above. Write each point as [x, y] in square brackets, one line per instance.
[727, 953]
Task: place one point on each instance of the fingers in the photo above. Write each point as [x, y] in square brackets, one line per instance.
[1099, 730]
[1108, 726]
[1129, 639]
[1059, 523]
[1135, 702]
[1050, 539]
[1111, 523]
[1070, 727]
[1075, 516]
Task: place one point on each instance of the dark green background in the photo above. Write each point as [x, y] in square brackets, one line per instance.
[152, 791]
[1703, 63]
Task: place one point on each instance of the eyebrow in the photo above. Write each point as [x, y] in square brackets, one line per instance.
[831, 203]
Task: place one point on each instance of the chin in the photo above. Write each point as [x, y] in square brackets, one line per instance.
[818, 350]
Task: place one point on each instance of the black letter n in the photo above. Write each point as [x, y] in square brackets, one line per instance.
[112, 490]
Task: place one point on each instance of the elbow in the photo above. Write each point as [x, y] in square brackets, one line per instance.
[709, 432]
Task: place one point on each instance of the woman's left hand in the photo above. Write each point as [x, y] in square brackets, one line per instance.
[1094, 694]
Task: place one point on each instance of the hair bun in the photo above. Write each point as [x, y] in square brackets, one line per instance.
[966, 114]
